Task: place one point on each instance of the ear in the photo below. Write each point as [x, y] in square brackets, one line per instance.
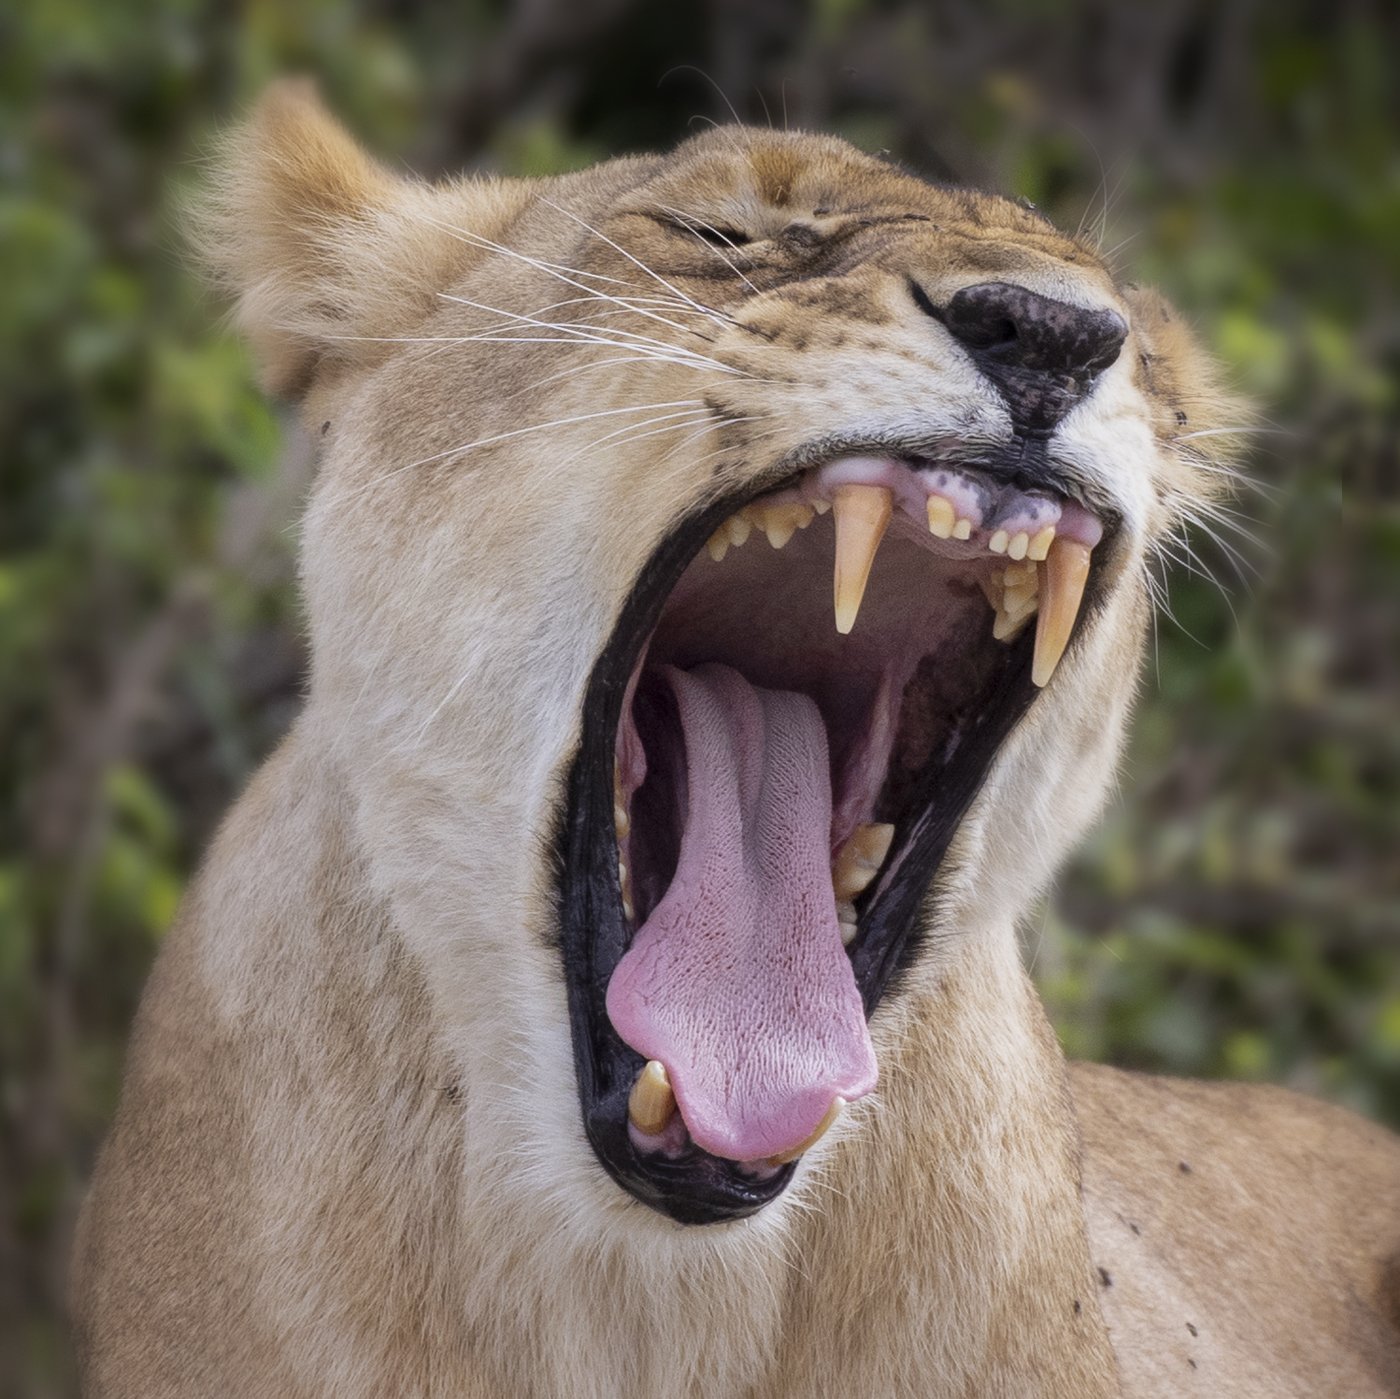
[325, 253]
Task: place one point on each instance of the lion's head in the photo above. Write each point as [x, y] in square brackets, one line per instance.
[711, 555]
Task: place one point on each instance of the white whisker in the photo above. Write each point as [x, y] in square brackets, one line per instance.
[583, 223]
[514, 432]
[692, 224]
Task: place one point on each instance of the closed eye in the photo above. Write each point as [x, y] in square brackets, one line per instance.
[716, 235]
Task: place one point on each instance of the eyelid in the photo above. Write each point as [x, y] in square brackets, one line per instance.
[725, 235]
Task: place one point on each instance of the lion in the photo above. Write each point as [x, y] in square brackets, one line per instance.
[726, 578]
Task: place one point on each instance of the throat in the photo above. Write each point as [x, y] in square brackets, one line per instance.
[969, 1175]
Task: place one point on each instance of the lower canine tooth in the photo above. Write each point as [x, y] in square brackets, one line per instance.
[859, 859]
[1062, 579]
[862, 513]
[651, 1102]
[832, 1113]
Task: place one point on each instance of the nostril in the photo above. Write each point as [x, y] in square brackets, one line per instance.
[1019, 327]
[1043, 355]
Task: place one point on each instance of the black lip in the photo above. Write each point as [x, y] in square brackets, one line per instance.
[698, 1188]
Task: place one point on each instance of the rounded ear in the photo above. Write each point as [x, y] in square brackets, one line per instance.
[327, 256]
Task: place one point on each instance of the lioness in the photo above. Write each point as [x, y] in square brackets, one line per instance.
[726, 578]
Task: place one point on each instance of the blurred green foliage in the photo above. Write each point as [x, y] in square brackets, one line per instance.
[1239, 910]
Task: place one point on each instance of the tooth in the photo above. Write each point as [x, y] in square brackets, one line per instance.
[941, 517]
[1040, 544]
[622, 873]
[832, 1113]
[651, 1101]
[1009, 621]
[846, 917]
[622, 822]
[718, 544]
[627, 908]
[1062, 579]
[1019, 591]
[738, 529]
[859, 859]
[821, 506]
[862, 512]
[994, 586]
[1018, 546]
[781, 522]
[998, 542]
[963, 529]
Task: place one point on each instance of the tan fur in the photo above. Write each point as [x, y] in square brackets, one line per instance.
[348, 1160]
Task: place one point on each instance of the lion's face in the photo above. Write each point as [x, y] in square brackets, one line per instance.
[712, 555]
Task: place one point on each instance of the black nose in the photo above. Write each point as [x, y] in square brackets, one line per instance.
[1043, 355]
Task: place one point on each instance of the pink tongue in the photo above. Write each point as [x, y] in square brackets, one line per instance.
[738, 982]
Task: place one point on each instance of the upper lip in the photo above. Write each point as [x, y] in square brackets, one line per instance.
[594, 932]
[1015, 459]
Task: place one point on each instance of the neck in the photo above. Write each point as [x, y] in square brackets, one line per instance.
[938, 1249]
[949, 1254]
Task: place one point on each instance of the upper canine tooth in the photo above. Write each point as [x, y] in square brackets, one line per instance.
[862, 513]
[859, 859]
[832, 1113]
[1062, 579]
[651, 1102]
[1040, 544]
[941, 517]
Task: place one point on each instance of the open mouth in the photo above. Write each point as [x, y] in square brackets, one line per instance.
[803, 695]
